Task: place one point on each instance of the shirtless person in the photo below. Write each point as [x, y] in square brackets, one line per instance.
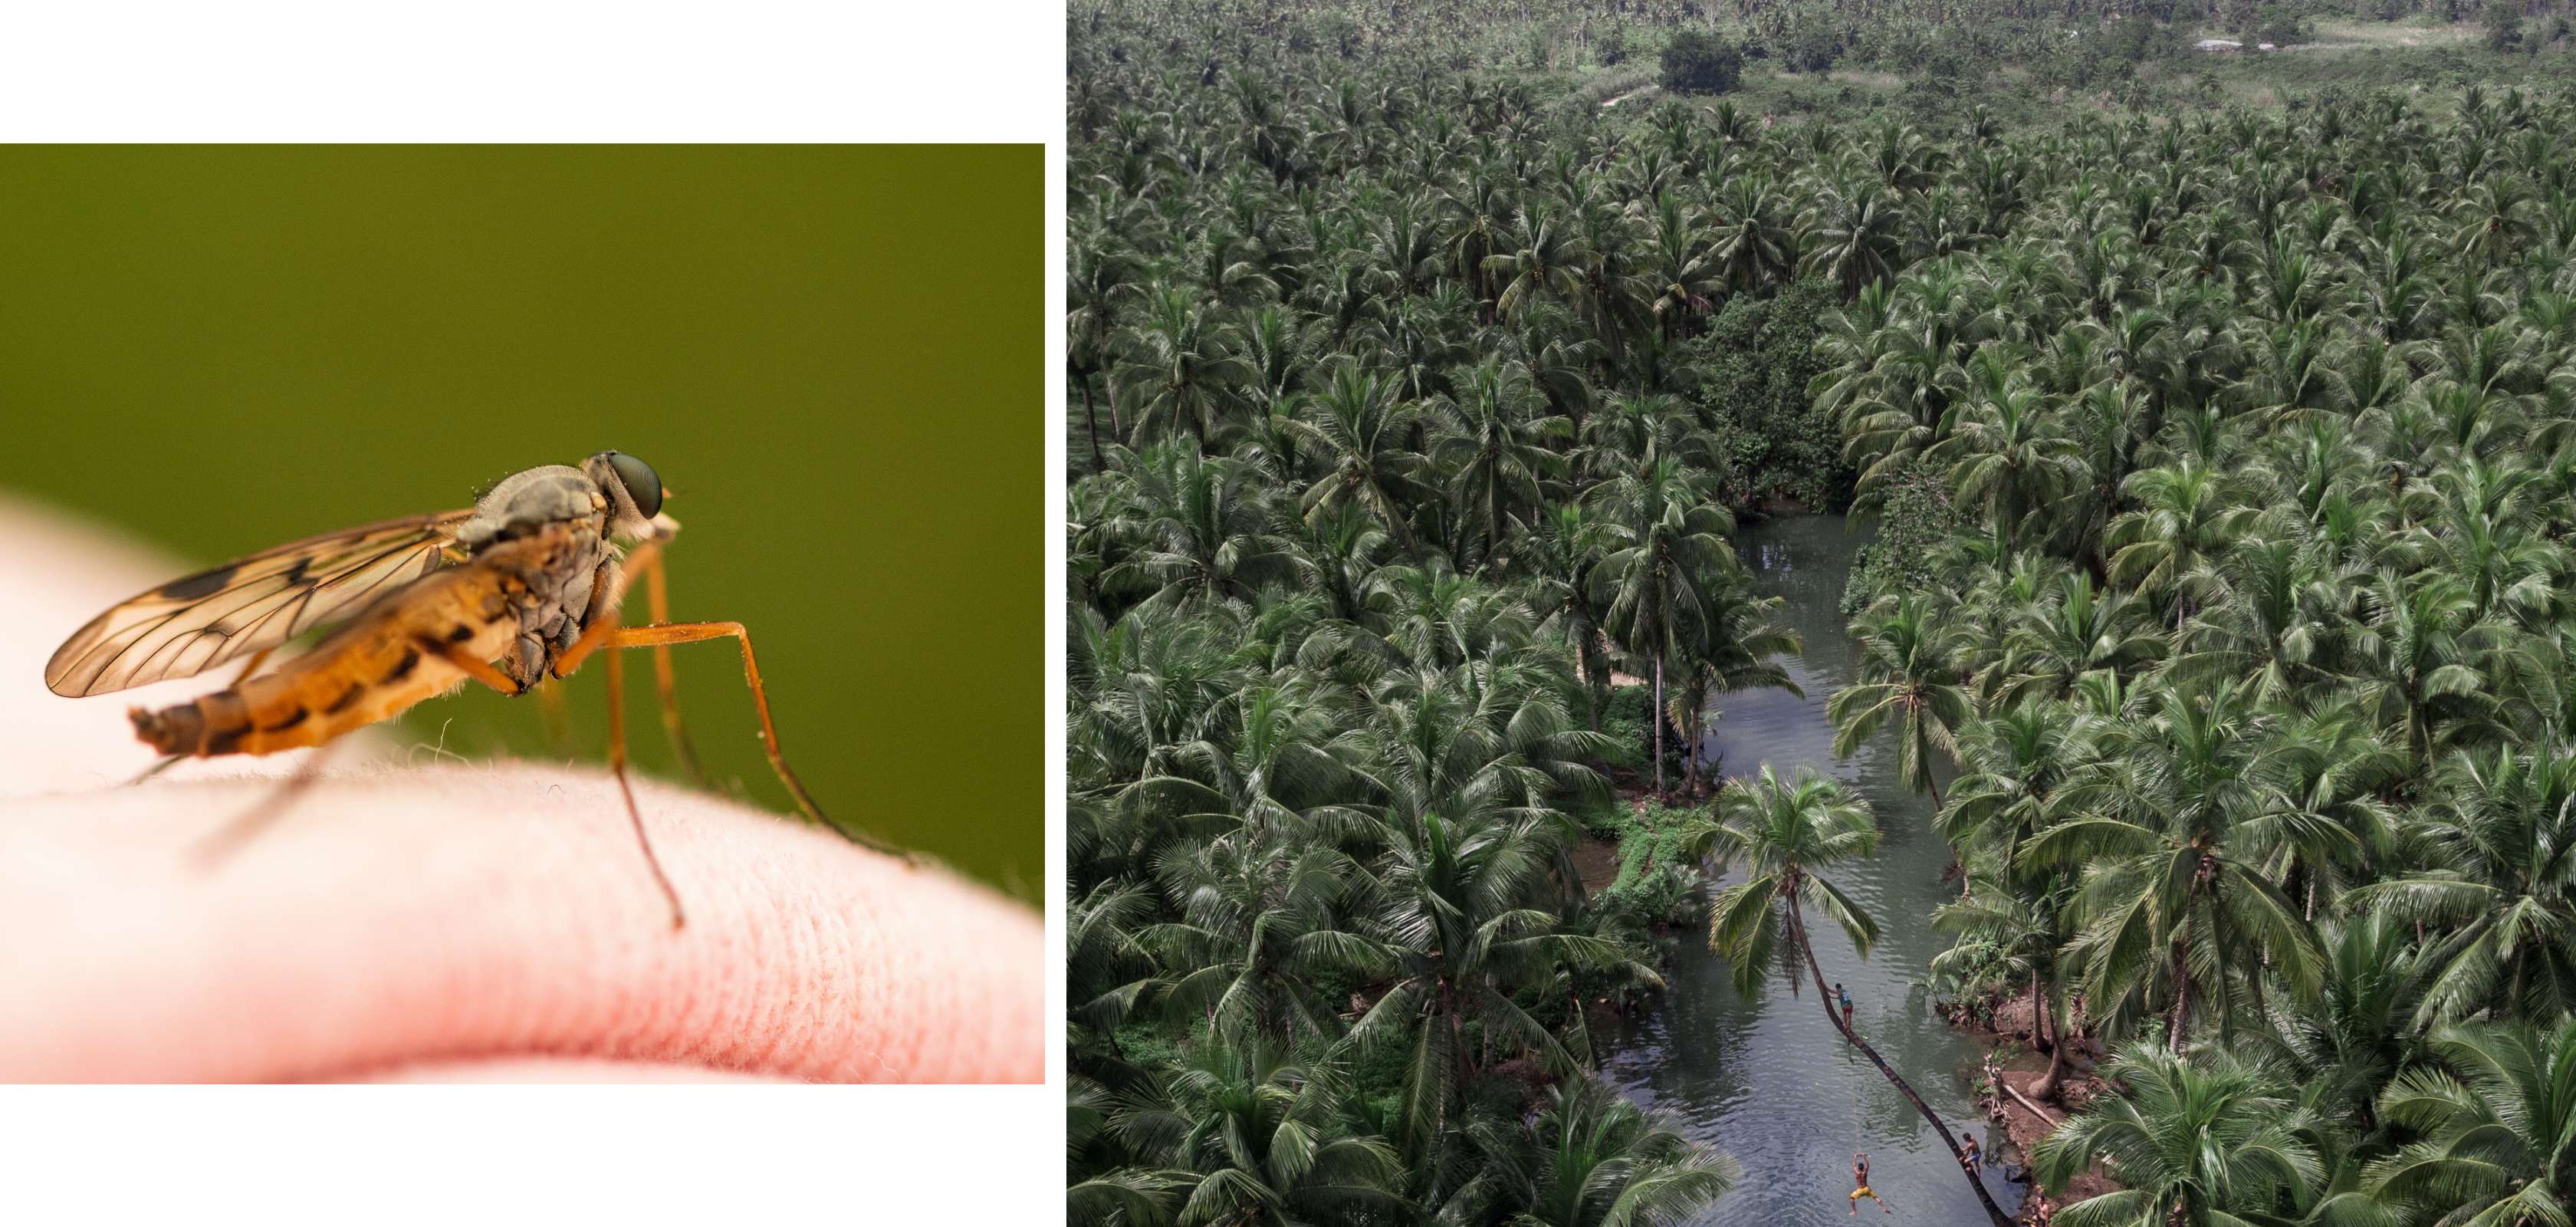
[1860, 1182]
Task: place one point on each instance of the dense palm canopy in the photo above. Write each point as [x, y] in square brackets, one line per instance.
[2199, 1144]
[2228, 468]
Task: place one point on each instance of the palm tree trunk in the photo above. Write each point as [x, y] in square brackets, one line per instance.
[2043, 1005]
[1798, 929]
[1954, 869]
[1091, 419]
[2182, 992]
[1690, 756]
[1660, 794]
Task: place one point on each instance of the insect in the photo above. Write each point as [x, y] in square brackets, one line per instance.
[512, 592]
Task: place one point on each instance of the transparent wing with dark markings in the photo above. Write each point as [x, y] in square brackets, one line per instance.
[197, 622]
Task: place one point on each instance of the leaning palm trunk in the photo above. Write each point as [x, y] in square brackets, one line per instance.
[2046, 1087]
[1798, 929]
[2049, 1032]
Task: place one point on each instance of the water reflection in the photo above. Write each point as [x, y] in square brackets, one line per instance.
[1768, 1080]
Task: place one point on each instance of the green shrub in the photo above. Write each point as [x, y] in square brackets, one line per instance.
[1813, 44]
[1699, 62]
[2503, 20]
[2280, 25]
[1915, 525]
[1149, 1046]
[1755, 361]
[1656, 876]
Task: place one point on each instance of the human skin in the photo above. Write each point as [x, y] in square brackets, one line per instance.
[435, 920]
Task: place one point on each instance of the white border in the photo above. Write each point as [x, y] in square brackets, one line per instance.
[444, 1155]
[518, 70]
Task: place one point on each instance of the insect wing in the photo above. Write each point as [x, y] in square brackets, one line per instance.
[199, 621]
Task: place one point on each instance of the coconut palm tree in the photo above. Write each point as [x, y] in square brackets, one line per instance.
[2186, 514]
[2501, 885]
[1906, 676]
[1591, 1159]
[1457, 921]
[1666, 558]
[1201, 529]
[2176, 902]
[2205, 1142]
[1361, 434]
[1784, 833]
[1260, 925]
[1178, 370]
[1495, 446]
[2498, 1122]
[1245, 1134]
[2006, 452]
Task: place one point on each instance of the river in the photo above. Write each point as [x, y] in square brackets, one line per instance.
[1766, 1078]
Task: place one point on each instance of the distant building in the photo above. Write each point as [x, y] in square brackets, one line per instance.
[2219, 45]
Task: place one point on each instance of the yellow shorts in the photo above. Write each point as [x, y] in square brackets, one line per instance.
[1864, 1191]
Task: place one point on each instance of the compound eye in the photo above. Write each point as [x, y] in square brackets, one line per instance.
[642, 484]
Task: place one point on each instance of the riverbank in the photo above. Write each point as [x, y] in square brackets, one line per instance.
[2007, 1092]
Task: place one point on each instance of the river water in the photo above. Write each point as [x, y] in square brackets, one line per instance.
[1766, 1078]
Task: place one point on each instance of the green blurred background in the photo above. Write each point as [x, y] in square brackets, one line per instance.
[833, 355]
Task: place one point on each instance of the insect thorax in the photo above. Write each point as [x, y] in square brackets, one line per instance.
[528, 500]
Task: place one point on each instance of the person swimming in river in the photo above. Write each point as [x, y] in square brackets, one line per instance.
[1860, 1184]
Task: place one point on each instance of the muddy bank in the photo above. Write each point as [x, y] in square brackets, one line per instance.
[2007, 1090]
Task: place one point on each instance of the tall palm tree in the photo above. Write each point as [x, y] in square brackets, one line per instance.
[1783, 834]
[2011, 931]
[1667, 557]
[1906, 674]
[1201, 529]
[2006, 452]
[1179, 370]
[2499, 1128]
[1852, 238]
[1544, 259]
[2501, 834]
[2212, 1142]
[1258, 927]
[2362, 1028]
[2176, 900]
[1592, 1158]
[2186, 514]
[1494, 444]
[1459, 924]
[1753, 241]
[1362, 434]
[1741, 651]
[1553, 558]
[1247, 1135]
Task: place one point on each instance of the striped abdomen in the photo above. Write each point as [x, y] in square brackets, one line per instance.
[370, 670]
